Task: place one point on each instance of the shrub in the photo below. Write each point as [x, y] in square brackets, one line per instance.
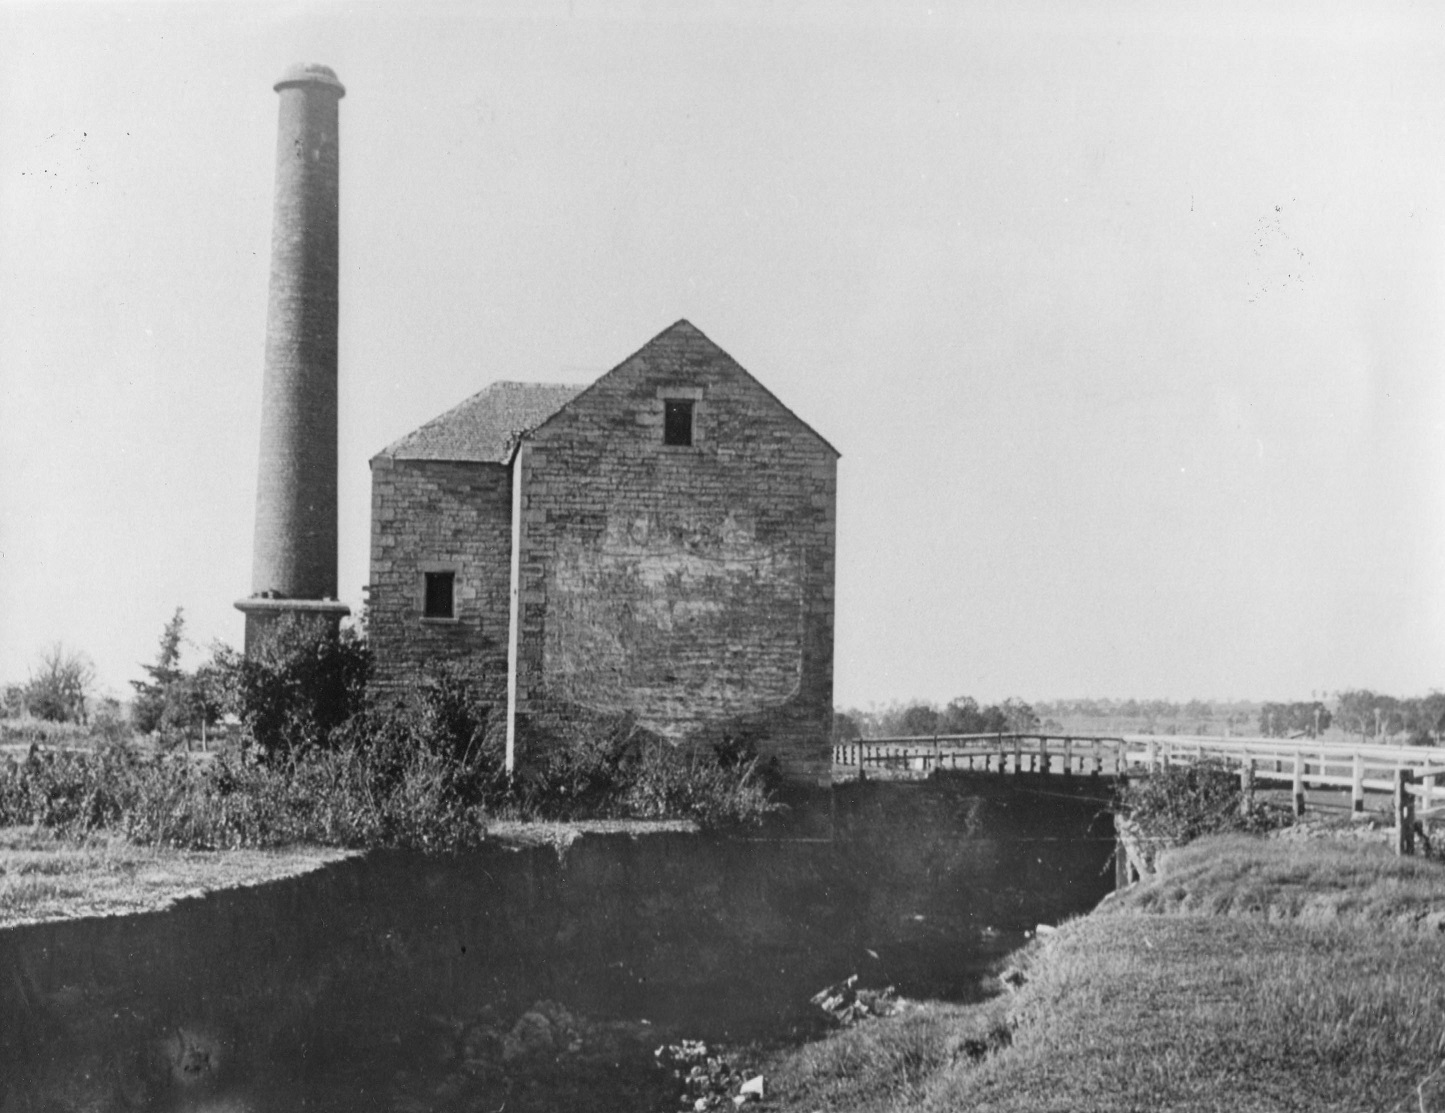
[1180, 803]
[716, 787]
[581, 764]
[301, 682]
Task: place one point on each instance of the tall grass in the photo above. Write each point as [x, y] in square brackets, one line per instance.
[383, 785]
[329, 798]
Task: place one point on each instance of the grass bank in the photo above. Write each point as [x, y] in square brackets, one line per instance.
[1249, 974]
[44, 876]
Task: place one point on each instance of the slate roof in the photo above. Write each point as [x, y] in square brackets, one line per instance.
[485, 427]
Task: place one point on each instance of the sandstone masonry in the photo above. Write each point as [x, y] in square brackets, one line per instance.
[660, 543]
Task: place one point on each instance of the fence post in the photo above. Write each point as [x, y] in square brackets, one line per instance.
[1152, 749]
[1018, 753]
[1068, 757]
[1404, 812]
[1299, 783]
[1246, 785]
[1097, 765]
[1357, 784]
[1043, 754]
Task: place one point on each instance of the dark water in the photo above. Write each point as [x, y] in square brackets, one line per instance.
[530, 980]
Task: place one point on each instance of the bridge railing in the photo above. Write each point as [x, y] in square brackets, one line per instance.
[1302, 763]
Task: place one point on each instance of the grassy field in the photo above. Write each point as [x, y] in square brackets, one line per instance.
[43, 877]
[1250, 974]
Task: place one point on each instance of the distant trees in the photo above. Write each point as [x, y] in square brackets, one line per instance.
[1362, 712]
[963, 715]
[845, 728]
[1292, 720]
[60, 685]
[1376, 715]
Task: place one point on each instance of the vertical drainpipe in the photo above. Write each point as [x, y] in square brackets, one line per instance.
[519, 465]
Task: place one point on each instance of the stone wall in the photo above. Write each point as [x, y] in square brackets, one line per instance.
[692, 586]
[430, 515]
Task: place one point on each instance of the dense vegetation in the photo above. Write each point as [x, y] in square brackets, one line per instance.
[318, 759]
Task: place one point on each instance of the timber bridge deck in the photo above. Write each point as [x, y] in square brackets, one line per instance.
[1413, 775]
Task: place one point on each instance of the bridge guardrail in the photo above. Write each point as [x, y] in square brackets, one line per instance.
[1302, 763]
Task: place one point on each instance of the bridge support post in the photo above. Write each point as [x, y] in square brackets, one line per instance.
[1124, 874]
[1404, 812]
[1357, 784]
[1299, 783]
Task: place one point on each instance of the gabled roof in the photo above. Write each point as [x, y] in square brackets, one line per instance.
[486, 426]
[672, 346]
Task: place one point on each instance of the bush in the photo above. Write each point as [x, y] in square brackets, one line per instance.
[301, 682]
[715, 787]
[1180, 803]
[582, 764]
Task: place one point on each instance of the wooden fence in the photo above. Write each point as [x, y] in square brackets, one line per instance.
[1413, 775]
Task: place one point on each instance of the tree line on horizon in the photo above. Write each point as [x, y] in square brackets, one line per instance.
[177, 703]
[1361, 712]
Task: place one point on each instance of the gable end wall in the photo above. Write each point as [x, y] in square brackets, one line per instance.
[693, 586]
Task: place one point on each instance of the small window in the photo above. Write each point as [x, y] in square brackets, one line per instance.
[439, 595]
[677, 422]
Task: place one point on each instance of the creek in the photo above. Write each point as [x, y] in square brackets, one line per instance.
[531, 979]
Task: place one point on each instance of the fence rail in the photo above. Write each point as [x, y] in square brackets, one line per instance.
[1414, 773]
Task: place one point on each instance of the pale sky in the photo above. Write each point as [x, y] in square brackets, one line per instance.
[1126, 318]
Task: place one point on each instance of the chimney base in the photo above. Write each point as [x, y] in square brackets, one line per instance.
[262, 612]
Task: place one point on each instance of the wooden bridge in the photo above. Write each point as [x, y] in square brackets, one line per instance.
[1413, 775]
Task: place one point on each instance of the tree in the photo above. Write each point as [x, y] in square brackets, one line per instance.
[153, 697]
[1018, 716]
[60, 685]
[1425, 719]
[920, 718]
[845, 728]
[1355, 711]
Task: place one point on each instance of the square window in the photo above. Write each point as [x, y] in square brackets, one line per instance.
[439, 595]
[677, 422]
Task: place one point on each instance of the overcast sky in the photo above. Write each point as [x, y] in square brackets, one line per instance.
[1126, 318]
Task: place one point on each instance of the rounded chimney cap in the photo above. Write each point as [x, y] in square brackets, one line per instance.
[309, 73]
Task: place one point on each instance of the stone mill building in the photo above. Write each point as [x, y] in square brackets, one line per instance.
[659, 542]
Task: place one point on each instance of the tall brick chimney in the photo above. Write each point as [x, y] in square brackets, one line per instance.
[294, 559]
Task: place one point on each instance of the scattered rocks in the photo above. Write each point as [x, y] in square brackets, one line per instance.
[847, 1004]
[709, 1077]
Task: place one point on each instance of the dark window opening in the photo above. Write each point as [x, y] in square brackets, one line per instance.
[438, 601]
[677, 422]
